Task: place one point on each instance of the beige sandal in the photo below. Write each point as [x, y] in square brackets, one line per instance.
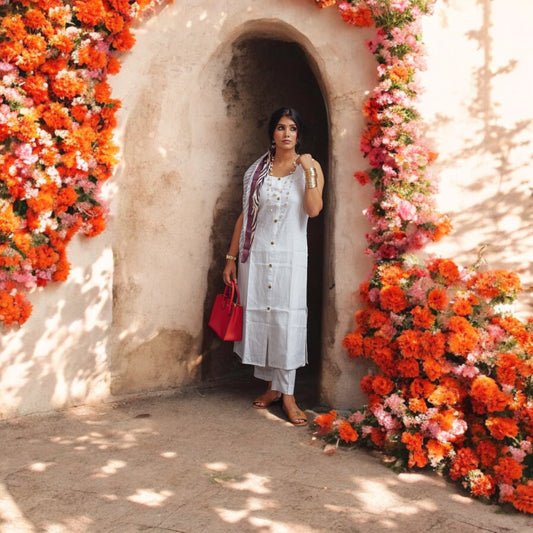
[296, 416]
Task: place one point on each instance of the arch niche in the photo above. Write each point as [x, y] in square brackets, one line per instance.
[266, 66]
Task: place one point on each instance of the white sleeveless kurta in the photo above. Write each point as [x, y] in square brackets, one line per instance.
[273, 281]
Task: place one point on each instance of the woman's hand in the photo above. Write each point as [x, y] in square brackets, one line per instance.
[229, 273]
[306, 160]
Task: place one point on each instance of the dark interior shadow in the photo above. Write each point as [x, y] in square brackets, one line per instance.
[263, 75]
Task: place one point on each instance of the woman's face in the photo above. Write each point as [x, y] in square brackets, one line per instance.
[286, 134]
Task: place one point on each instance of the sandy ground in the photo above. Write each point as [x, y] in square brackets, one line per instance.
[203, 460]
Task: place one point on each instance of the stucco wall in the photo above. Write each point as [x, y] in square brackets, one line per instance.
[131, 316]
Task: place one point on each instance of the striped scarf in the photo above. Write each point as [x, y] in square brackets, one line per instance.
[253, 203]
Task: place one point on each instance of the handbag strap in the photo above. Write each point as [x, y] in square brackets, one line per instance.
[226, 291]
[238, 293]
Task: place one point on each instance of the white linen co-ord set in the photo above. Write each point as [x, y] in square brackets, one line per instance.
[273, 281]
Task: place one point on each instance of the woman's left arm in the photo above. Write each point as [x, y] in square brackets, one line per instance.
[314, 185]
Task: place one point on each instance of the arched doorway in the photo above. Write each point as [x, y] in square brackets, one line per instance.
[264, 74]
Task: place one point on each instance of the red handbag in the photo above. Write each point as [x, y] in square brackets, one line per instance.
[226, 316]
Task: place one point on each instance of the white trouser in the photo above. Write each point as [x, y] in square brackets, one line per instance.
[282, 380]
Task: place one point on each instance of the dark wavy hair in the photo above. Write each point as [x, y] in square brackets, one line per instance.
[292, 114]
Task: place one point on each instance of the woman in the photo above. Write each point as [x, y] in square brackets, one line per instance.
[280, 191]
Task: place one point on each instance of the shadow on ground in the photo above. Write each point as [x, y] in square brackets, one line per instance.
[204, 460]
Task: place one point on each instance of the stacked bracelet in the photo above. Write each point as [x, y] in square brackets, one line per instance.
[232, 257]
[310, 178]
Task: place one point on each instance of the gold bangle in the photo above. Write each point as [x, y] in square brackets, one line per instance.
[310, 172]
[310, 182]
[232, 257]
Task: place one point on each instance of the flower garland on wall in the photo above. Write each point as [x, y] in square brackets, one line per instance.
[56, 138]
[453, 387]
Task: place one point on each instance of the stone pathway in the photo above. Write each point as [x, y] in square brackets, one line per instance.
[205, 461]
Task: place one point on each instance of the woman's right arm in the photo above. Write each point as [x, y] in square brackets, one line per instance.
[230, 271]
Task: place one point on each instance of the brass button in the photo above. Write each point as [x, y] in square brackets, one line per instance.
[268, 308]
[270, 286]
[272, 242]
[270, 266]
[275, 220]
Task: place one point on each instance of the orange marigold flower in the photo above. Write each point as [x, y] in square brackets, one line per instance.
[487, 452]
[102, 92]
[398, 73]
[34, 53]
[413, 442]
[91, 57]
[408, 368]
[346, 432]
[36, 87]
[462, 307]
[14, 27]
[66, 197]
[507, 367]
[113, 22]
[501, 427]
[507, 470]
[409, 344]
[422, 317]
[392, 298]
[56, 116]
[353, 342]
[62, 268]
[486, 395]
[377, 319]
[113, 65]
[421, 388]
[433, 368]
[42, 257]
[522, 499]
[366, 383]
[437, 299]
[445, 269]
[443, 395]
[442, 228]
[357, 16]
[90, 12]
[382, 385]
[392, 275]
[481, 485]
[418, 405]
[35, 19]
[465, 461]
[378, 437]
[9, 222]
[124, 40]
[67, 84]
[14, 308]
[437, 451]
[325, 421]
[371, 108]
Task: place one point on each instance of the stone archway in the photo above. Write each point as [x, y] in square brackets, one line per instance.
[263, 74]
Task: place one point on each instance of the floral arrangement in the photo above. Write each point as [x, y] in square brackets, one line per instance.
[56, 140]
[453, 386]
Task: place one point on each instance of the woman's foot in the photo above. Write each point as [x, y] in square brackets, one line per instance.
[295, 415]
[266, 399]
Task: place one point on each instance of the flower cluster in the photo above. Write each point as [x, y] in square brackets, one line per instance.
[56, 141]
[453, 387]
[454, 382]
[402, 215]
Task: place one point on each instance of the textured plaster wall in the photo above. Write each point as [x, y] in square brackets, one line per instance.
[131, 317]
[186, 144]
